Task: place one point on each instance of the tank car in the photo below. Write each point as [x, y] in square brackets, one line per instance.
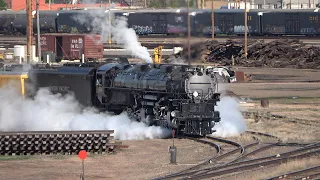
[177, 97]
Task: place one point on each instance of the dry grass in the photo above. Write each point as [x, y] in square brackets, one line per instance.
[287, 131]
[284, 128]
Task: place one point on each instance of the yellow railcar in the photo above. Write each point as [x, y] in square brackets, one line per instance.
[16, 79]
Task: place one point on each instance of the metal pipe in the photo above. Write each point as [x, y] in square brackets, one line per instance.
[29, 29]
[38, 32]
[188, 32]
[245, 28]
[212, 20]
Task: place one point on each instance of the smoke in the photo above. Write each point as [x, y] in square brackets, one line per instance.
[98, 21]
[55, 112]
[232, 122]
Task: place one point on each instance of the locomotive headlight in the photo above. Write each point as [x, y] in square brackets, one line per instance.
[173, 113]
[195, 94]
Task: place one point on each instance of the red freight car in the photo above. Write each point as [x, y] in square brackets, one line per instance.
[72, 46]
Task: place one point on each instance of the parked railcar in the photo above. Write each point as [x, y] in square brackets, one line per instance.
[72, 46]
[227, 22]
[289, 22]
[170, 21]
[160, 21]
[6, 22]
[47, 21]
[85, 21]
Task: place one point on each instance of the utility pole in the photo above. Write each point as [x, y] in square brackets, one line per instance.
[212, 20]
[29, 29]
[38, 31]
[245, 28]
[110, 41]
[188, 33]
[145, 4]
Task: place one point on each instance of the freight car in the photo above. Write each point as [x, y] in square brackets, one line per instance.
[181, 97]
[71, 47]
[162, 21]
[85, 21]
[261, 22]
[227, 22]
[15, 23]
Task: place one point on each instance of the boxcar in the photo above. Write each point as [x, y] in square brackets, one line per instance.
[159, 21]
[227, 22]
[72, 46]
[290, 22]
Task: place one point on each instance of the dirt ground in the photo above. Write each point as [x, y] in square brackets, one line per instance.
[292, 93]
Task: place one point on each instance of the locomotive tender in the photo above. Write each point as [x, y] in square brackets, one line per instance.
[179, 97]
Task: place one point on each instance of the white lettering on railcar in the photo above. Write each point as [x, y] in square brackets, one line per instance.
[59, 88]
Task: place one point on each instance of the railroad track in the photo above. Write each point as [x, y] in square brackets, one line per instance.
[308, 173]
[204, 37]
[264, 135]
[309, 150]
[217, 158]
[56, 142]
[224, 163]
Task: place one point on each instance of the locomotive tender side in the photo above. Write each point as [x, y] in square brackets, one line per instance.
[177, 97]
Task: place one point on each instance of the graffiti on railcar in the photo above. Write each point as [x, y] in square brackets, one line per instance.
[142, 29]
[240, 29]
[275, 29]
[176, 29]
[208, 30]
[308, 31]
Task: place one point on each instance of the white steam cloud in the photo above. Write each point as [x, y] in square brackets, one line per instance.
[54, 112]
[232, 122]
[98, 20]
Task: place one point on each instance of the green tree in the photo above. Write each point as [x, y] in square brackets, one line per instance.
[3, 5]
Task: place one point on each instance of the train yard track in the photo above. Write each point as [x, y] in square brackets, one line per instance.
[225, 163]
[308, 173]
[56, 142]
[165, 41]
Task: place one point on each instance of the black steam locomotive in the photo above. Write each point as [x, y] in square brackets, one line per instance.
[180, 97]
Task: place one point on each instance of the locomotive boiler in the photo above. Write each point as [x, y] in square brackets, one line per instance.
[179, 97]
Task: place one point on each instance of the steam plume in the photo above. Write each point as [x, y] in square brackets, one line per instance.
[232, 122]
[48, 112]
[99, 22]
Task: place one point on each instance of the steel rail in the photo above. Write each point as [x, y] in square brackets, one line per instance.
[285, 154]
[255, 151]
[211, 159]
[216, 146]
[299, 172]
[251, 166]
[264, 134]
